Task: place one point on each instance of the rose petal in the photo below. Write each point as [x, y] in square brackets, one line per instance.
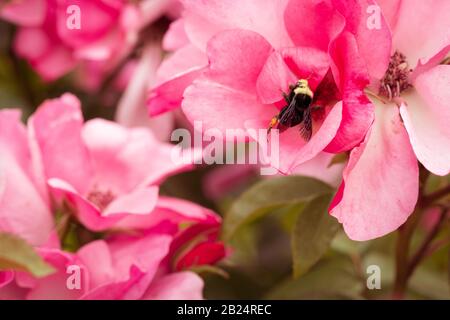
[54, 286]
[205, 253]
[30, 219]
[385, 164]
[87, 212]
[390, 10]
[133, 264]
[12, 291]
[285, 67]
[124, 159]
[312, 23]
[5, 278]
[220, 108]
[426, 64]
[175, 37]
[25, 12]
[319, 168]
[177, 286]
[97, 18]
[374, 41]
[421, 36]
[226, 96]
[56, 129]
[56, 63]
[168, 95]
[352, 78]
[184, 60]
[426, 115]
[32, 43]
[96, 256]
[170, 209]
[13, 138]
[175, 74]
[236, 58]
[205, 18]
[138, 202]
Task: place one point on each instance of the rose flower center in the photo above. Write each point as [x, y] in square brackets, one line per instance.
[101, 198]
[396, 78]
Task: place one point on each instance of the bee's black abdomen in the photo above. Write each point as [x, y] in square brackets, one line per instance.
[303, 102]
[290, 117]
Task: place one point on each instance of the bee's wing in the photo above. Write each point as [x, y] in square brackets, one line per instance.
[290, 115]
[287, 115]
[306, 126]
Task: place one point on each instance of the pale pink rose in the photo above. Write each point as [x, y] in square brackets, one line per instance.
[107, 176]
[146, 265]
[409, 92]
[107, 173]
[102, 169]
[132, 266]
[120, 267]
[32, 219]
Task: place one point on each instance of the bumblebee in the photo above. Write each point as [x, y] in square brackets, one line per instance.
[297, 111]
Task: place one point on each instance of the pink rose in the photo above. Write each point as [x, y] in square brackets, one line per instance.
[103, 178]
[55, 36]
[232, 63]
[407, 88]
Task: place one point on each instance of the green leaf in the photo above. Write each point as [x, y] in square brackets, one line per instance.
[338, 158]
[268, 195]
[425, 283]
[329, 279]
[17, 254]
[343, 244]
[290, 214]
[210, 269]
[10, 94]
[312, 235]
[429, 284]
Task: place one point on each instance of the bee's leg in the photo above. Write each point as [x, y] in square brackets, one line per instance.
[276, 120]
[272, 124]
[315, 108]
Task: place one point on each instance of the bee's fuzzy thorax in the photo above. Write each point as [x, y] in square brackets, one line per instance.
[303, 88]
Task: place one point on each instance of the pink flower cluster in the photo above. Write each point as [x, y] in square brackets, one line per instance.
[376, 71]
[104, 179]
[55, 36]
